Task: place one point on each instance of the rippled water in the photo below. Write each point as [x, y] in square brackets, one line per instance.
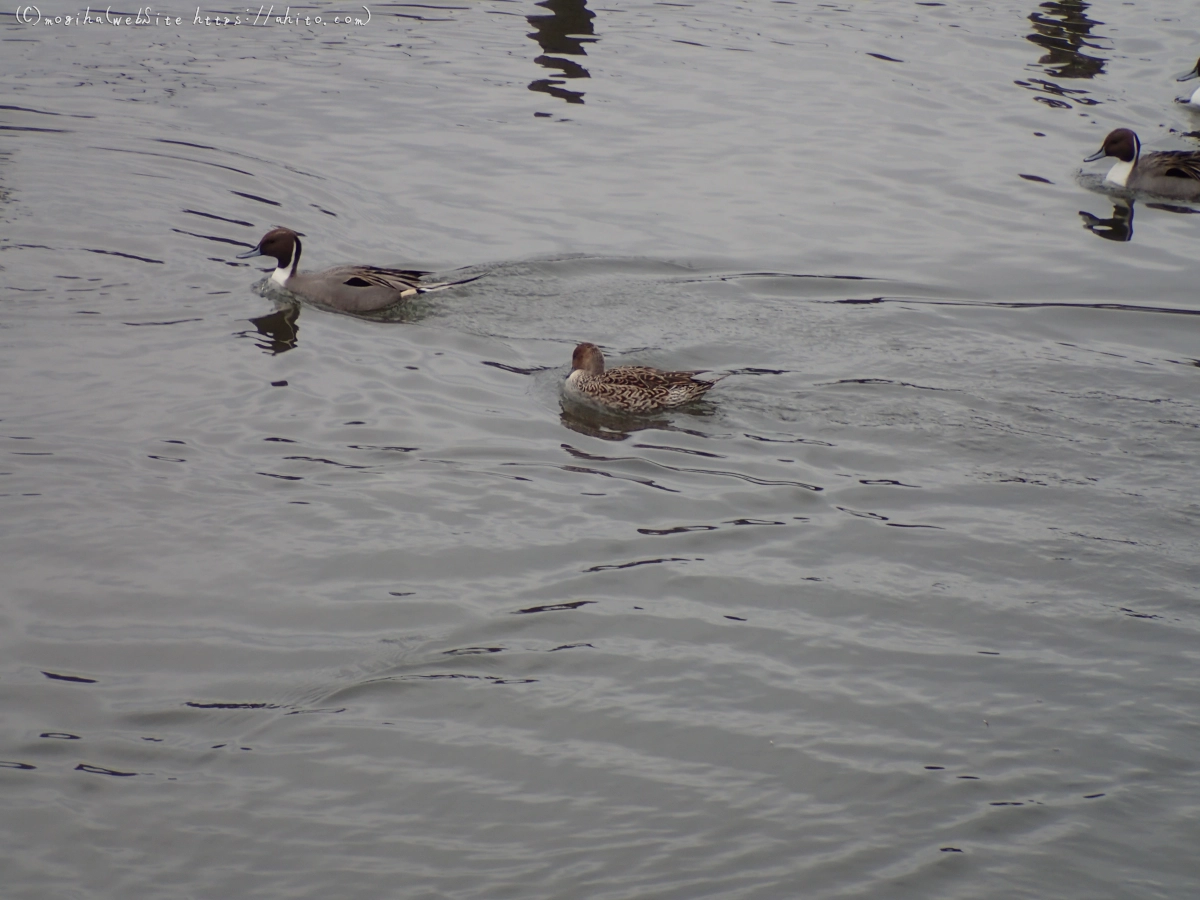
[303, 605]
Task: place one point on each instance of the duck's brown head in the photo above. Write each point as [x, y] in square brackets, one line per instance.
[588, 359]
[1121, 143]
[281, 243]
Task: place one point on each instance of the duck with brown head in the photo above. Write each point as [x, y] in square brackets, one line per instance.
[1194, 99]
[1166, 173]
[631, 389]
[355, 289]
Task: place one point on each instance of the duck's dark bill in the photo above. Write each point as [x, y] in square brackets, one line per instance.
[1189, 74]
[1099, 154]
[250, 253]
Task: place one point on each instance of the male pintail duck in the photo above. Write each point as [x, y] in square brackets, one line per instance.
[357, 289]
[631, 389]
[1167, 173]
[1194, 99]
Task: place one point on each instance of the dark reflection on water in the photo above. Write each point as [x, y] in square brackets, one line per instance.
[1118, 227]
[604, 425]
[517, 370]
[612, 426]
[1008, 304]
[1174, 208]
[1055, 95]
[279, 328]
[560, 33]
[1062, 28]
[5, 160]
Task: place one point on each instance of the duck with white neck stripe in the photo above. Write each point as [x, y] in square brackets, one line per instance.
[354, 288]
[1194, 100]
[1165, 173]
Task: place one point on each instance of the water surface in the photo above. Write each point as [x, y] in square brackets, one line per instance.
[304, 605]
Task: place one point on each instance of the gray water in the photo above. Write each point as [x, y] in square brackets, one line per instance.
[296, 604]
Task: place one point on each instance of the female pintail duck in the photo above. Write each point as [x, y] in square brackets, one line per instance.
[1167, 173]
[631, 389]
[356, 289]
[1194, 99]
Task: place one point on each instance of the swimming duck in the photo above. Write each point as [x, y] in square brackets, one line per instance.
[1168, 173]
[631, 389]
[1193, 100]
[356, 289]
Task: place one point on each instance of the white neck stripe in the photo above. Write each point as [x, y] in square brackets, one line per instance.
[1119, 174]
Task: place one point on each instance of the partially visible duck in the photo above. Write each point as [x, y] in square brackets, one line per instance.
[1193, 100]
[631, 389]
[1167, 173]
[356, 289]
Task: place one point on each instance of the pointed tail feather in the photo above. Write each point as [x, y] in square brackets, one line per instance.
[442, 285]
